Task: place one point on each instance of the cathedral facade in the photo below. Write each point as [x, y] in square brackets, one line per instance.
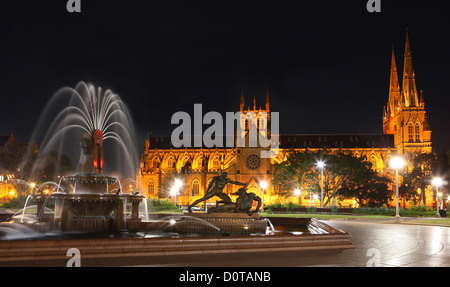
[405, 130]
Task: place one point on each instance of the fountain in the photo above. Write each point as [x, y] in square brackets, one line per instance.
[92, 201]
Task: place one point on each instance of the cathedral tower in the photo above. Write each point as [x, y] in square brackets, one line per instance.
[404, 116]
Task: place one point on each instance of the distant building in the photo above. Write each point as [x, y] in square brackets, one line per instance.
[7, 189]
[4, 140]
[405, 130]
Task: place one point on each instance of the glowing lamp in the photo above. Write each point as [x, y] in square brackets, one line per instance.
[397, 162]
[263, 184]
[178, 183]
[437, 181]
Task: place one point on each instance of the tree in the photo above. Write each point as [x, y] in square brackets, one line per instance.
[417, 177]
[341, 169]
[295, 172]
[18, 158]
[366, 186]
[50, 165]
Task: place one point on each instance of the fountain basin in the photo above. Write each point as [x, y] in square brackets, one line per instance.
[323, 237]
[90, 183]
[92, 211]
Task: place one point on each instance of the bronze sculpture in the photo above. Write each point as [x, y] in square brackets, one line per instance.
[243, 203]
[215, 188]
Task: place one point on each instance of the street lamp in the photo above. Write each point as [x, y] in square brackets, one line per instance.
[175, 190]
[321, 164]
[298, 193]
[178, 183]
[263, 184]
[315, 197]
[397, 163]
[437, 182]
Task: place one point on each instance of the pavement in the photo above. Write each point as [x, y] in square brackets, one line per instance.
[378, 243]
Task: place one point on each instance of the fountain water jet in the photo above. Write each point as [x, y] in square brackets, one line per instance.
[90, 116]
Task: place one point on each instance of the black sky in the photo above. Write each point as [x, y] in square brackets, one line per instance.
[325, 63]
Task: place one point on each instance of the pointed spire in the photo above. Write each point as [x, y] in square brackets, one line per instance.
[11, 137]
[421, 101]
[426, 124]
[267, 101]
[147, 141]
[242, 101]
[394, 86]
[409, 82]
[254, 103]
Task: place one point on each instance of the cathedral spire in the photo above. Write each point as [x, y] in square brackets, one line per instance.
[394, 86]
[242, 101]
[410, 96]
[147, 141]
[267, 101]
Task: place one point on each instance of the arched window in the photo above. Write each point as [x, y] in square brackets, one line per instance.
[171, 162]
[373, 160]
[417, 132]
[410, 133]
[195, 187]
[216, 163]
[155, 162]
[200, 162]
[151, 188]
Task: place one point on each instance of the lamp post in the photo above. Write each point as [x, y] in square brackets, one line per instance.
[175, 190]
[263, 184]
[437, 182]
[315, 197]
[397, 163]
[298, 193]
[321, 164]
[173, 193]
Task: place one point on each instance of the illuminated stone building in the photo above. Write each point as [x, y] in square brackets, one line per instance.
[405, 130]
[404, 116]
[7, 189]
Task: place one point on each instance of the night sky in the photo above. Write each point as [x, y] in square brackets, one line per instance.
[326, 63]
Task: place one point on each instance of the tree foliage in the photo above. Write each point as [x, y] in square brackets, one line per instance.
[344, 175]
[417, 177]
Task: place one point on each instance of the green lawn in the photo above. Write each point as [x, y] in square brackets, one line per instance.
[436, 221]
[384, 218]
[324, 216]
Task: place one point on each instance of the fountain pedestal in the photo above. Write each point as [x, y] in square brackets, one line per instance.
[233, 223]
[95, 212]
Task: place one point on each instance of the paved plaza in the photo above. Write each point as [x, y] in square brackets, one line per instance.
[377, 244]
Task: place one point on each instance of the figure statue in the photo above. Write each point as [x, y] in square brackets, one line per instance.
[245, 201]
[87, 158]
[215, 188]
[243, 204]
[91, 159]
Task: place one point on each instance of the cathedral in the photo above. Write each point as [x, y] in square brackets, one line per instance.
[405, 131]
